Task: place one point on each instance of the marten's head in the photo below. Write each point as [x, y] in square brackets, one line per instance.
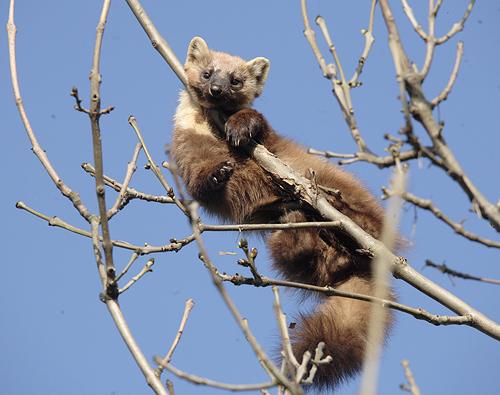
[218, 80]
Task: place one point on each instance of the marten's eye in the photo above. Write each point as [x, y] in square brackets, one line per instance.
[235, 81]
[206, 74]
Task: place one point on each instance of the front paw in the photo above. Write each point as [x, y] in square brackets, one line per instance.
[243, 126]
[220, 176]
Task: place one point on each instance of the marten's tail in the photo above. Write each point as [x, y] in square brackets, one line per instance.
[341, 323]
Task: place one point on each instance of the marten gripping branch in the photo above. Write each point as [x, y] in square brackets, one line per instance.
[219, 174]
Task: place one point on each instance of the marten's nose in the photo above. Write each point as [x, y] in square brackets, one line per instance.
[215, 90]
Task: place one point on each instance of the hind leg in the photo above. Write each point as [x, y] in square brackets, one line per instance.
[302, 255]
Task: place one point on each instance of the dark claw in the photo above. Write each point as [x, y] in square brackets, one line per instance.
[243, 126]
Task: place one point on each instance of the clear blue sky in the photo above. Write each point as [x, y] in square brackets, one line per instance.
[55, 335]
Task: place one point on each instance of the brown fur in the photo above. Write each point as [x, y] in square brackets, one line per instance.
[228, 183]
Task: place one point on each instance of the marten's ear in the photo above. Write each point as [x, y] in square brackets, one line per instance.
[259, 68]
[197, 50]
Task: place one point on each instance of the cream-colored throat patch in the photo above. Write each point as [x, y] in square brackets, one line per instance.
[189, 116]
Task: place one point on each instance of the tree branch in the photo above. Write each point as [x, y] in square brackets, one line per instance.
[168, 357]
[417, 313]
[145, 269]
[426, 204]
[454, 273]
[175, 244]
[131, 193]
[73, 196]
[453, 76]
[412, 385]
[340, 87]
[94, 114]
[122, 199]
[154, 167]
[215, 384]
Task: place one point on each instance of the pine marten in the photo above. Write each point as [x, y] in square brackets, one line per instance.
[218, 172]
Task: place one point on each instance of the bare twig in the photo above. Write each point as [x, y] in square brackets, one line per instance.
[129, 264]
[430, 41]
[121, 200]
[251, 254]
[177, 181]
[73, 196]
[168, 357]
[288, 356]
[175, 244]
[412, 385]
[331, 154]
[145, 269]
[426, 204]
[131, 193]
[369, 40]
[257, 227]
[453, 76]
[78, 101]
[457, 26]
[346, 95]
[380, 161]
[418, 313]
[411, 17]
[340, 87]
[215, 384]
[454, 273]
[154, 167]
[316, 361]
